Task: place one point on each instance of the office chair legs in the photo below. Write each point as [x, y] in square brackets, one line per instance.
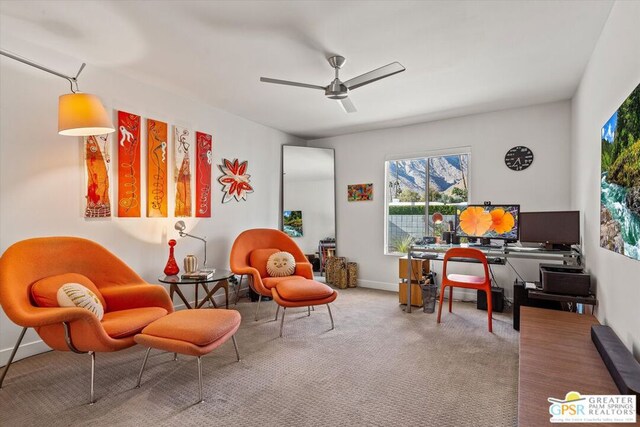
[330, 316]
[13, 354]
[277, 311]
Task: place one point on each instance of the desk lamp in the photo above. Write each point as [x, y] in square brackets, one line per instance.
[180, 226]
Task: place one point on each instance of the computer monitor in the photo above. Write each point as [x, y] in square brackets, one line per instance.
[488, 222]
[551, 228]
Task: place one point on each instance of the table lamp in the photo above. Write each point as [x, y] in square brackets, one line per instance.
[180, 226]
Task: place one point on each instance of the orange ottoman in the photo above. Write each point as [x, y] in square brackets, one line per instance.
[191, 332]
[302, 293]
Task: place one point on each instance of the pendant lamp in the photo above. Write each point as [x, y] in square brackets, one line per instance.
[79, 114]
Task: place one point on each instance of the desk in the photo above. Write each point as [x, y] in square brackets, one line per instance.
[220, 278]
[557, 356]
[495, 255]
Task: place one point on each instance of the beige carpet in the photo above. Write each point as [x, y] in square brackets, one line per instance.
[379, 367]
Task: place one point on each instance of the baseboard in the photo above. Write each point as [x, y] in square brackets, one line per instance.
[38, 346]
[25, 350]
[466, 295]
[383, 286]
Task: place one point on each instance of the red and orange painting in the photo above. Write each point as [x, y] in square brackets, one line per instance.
[156, 169]
[182, 172]
[204, 154]
[235, 180]
[128, 164]
[97, 162]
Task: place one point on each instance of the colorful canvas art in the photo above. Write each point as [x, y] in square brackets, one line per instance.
[620, 179]
[234, 180]
[97, 161]
[128, 164]
[359, 192]
[292, 223]
[204, 157]
[182, 171]
[156, 169]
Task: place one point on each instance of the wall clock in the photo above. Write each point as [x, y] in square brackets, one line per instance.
[518, 158]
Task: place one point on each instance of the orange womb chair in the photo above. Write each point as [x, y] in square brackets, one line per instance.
[464, 280]
[131, 303]
[252, 249]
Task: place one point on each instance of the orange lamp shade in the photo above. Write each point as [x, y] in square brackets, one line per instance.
[437, 218]
[82, 114]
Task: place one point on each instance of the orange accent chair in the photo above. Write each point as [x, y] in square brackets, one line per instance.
[252, 249]
[464, 280]
[249, 255]
[131, 303]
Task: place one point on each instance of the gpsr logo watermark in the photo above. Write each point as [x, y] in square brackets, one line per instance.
[576, 408]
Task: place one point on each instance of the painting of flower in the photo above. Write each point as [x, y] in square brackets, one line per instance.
[234, 180]
[501, 221]
[359, 192]
[491, 222]
[475, 221]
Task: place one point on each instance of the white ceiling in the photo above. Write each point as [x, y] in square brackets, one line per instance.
[461, 57]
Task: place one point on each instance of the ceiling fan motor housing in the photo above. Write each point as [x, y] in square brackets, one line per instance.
[336, 90]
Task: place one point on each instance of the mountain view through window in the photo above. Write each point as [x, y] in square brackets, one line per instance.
[418, 206]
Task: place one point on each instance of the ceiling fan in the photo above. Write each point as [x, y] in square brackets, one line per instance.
[340, 90]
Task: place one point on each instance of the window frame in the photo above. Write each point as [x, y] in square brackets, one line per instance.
[417, 156]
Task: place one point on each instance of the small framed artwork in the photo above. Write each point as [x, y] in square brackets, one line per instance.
[359, 192]
[292, 223]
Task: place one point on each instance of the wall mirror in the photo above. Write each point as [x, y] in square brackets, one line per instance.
[308, 213]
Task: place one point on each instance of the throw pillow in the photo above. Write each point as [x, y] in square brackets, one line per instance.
[281, 264]
[76, 295]
[44, 292]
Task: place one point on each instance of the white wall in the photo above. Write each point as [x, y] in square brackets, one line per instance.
[612, 73]
[545, 185]
[42, 176]
[315, 199]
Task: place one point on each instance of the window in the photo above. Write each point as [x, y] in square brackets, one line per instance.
[417, 206]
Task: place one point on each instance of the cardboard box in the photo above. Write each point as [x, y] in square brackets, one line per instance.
[416, 294]
[419, 269]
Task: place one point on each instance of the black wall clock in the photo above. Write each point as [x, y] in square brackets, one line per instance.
[518, 158]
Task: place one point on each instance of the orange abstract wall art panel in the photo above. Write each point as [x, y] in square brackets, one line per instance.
[204, 154]
[128, 164]
[156, 169]
[182, 171]
[97, 162]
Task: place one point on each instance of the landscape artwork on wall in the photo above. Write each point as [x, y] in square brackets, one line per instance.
[156, 169]
[292, 223]
[359, 192]
[620, 179]
[235, 180]
[182, 170]
[129, 184]
[97, 163]
[204, 156]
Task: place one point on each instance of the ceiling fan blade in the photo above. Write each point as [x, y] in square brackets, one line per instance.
[347, 105]
[288, 83]
[372, 76]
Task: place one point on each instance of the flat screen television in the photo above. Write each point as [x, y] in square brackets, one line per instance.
[558, 228]
[488, 222]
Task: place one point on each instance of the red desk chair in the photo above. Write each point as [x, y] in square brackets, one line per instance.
[464, 280]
